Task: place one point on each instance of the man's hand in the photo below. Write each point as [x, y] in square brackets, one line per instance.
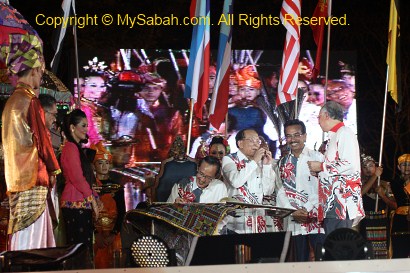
[180, 200]
[52, 180]
[267, 158]
[379, 171]
[300, 216]
[380, 191]
[314, 167]
[260, 154]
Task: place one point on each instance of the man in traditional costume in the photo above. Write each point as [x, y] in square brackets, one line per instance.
[30, 164]
[108, 226]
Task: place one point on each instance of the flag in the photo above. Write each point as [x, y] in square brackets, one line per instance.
[219, 101]
[318, 30]
[197, 79]
[66, 8]
[288, 82]
[393, 54]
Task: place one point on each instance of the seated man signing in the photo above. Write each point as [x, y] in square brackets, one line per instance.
[202, 188]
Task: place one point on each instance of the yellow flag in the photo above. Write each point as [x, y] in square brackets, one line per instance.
[394, 34]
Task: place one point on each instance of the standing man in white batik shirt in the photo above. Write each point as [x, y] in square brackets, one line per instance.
[299, 191]
[249, 176]
[340, 199]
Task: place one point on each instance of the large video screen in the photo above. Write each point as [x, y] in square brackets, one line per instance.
[134, 100]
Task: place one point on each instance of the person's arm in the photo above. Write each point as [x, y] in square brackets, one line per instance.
[71, 165]
[35, 119]
[234, 175]
[368, 185]
[383, 191]
[174, 194]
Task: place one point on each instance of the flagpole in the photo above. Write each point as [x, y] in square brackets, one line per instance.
[329, 12]
[296, 104]
[226, 126]
[376, 207]
[191, 114]
[77, 68]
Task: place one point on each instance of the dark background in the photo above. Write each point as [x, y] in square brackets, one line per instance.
[366, 35]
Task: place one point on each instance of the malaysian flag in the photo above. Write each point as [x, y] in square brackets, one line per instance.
[288, 82]
[197, 79]
[219, 102]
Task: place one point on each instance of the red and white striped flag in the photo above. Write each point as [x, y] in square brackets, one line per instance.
[288, 81]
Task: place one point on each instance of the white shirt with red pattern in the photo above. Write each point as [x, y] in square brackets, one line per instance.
[248, 182]
[340, 183]
[299, 189]
[213, 193]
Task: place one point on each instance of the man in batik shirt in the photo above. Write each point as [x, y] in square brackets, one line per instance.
[340, 197]
[299, 191]
[250, 177]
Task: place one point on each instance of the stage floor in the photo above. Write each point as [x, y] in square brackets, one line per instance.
[365, 266]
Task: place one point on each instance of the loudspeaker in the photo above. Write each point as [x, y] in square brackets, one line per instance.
[47, 259]
[344, 244]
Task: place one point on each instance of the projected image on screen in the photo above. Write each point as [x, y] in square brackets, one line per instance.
[135, 100]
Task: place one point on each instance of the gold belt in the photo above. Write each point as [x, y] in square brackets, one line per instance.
[403, 210]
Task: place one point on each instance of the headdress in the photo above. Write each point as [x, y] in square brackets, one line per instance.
[404, 158]
[247, 76]
[365, 158]
[20, 46]
[101, 152]
[154, 79]
[177, 149]
[203, 149]
[95, 67]
[346, 68]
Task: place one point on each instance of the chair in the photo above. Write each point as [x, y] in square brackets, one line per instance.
[171, 172]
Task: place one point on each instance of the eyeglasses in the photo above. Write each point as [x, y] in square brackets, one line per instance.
[405, 164]
[254, 140]
[51, 113]
[202, 175]
[296, 135]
